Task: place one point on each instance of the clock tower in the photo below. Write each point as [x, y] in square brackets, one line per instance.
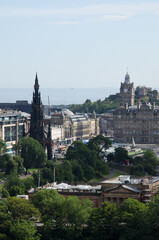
[127, 92]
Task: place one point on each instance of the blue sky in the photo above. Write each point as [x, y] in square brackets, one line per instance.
[79, 43]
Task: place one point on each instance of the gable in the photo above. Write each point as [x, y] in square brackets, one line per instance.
[122, 189]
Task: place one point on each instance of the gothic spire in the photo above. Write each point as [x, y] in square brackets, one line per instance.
[36, 85]
[36, 123]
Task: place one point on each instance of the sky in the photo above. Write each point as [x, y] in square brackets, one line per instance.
[79, 43]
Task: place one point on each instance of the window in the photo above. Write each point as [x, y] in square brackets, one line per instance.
[13, 133]
[7, 137]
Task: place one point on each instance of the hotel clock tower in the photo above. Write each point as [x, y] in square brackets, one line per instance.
[127, 92]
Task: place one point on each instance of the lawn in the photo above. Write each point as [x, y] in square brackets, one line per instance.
[31, 170]
[135, 153]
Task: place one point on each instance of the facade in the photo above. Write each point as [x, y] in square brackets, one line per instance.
[36, 123]
[106, 123]
[140, 123]
[12, 127]
[127, 92]
[142, 189]
[69, 127]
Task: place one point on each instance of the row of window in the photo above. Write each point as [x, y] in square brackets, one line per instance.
[12, 133]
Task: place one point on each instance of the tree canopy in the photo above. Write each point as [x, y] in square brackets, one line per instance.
[31, 151]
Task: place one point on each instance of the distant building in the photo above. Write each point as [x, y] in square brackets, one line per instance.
[155, 95]
[140, 123]
[69, 127]
[20, 105]
[12, 127]
[106, 123]
[142, 91]
[142, 189]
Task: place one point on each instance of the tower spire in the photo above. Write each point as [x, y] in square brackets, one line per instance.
[36, 123]
[36, 85]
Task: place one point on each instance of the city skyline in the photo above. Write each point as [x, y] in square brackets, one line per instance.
[79, 44]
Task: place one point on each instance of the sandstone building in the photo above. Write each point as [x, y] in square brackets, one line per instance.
[142, 189]
[66, 126]
[135, 122]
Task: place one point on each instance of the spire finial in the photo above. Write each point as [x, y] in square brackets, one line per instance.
[127, 69]
[36, 86]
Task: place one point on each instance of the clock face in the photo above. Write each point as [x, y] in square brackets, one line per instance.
[125, 90]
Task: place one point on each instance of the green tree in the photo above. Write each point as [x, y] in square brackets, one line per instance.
[28, 183]
[12, 210]
[24, 230]
[152, 218]
[15, 190]
[145, 165]
[12, 183]
[132, 220]
[11, 166]
[110, 157]
[4, 193]
[77, 170]
[79, 154]
[101, 222]
[22, 209]
[31, 151]
[3, 161]
[67, 171]
[74, 212]
[49, 203]
[3, 147]
[99, 143]
[121, 155]
[128, 209]
[150, 156]
[19, 161]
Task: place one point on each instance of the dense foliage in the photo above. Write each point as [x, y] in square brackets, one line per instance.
[16, 219]
[112, 102]
[120, 156]
[71, 218]
[145, 164]
[83, 162]
[109, 103]
[32, 152]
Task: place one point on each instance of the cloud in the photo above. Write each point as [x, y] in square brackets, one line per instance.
[105, 12]
[108, 18]
[62, 23]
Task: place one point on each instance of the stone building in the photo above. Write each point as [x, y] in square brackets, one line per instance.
[69, 127]
[140, 123]
[135, 122]
[142, 91]
[106, 123]
[142, 189]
